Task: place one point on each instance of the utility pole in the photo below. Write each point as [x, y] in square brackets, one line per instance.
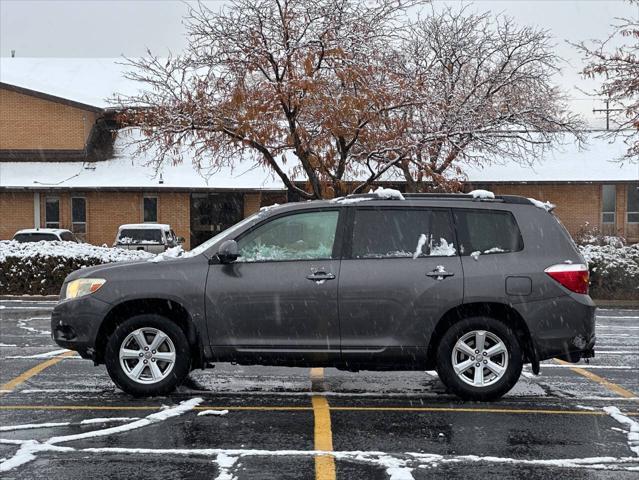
[607, 110]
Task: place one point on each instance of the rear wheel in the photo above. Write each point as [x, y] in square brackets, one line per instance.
[148, 355]
[479, 358]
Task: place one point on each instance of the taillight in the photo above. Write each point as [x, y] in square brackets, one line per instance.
[573, 276]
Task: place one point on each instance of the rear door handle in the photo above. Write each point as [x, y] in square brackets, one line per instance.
[439, 274]
[320, 276]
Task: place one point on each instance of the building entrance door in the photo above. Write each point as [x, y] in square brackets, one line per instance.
[212, 213]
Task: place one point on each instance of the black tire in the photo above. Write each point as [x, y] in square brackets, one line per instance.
[496, 387]
[177, 373]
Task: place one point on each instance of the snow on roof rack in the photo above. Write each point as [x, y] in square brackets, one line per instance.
[513, 199]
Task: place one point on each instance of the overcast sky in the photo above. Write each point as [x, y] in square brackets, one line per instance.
[110, 28]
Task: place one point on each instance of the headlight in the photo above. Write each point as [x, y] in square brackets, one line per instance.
[83, 286]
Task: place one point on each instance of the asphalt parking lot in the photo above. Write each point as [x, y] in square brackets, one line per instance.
[61, 417]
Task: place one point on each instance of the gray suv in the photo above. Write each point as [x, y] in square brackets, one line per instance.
[471, 287]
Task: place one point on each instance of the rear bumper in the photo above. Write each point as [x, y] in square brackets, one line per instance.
[75, 324]
[561, 327]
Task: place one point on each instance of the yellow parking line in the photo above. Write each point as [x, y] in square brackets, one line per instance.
[278, 408]
[613, 387]
[23, 377]
[324, 464]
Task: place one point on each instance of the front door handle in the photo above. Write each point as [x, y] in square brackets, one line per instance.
[439, 274]
[320, 276]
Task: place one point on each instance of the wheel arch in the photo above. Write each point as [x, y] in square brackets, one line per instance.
[169, 308]
[498, 311]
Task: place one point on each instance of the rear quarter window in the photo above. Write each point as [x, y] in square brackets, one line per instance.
[487, 232]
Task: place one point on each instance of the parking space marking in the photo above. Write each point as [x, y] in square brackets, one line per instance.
[613, 387]
[323, 435]
[11, 385]
[280, 408]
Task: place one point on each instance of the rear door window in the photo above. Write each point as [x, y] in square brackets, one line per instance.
[402, 233]
[487, 231]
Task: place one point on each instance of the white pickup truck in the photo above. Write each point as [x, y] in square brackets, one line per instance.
[150, 237]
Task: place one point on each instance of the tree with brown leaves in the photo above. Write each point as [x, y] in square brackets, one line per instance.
[300, 86]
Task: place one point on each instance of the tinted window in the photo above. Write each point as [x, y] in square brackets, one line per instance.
[52, 213]
[150, 209]
[140, 235]
[608, 203]
[487, 231]
[68, 237]
[35, 237]
[384, 233]
[295, 237]
[633, 202]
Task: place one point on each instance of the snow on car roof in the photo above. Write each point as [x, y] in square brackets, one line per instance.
[145, 226]
[56, 231]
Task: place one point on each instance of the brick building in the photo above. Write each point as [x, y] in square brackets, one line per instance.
[61, 167]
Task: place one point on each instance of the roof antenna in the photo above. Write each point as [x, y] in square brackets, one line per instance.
[13, 54]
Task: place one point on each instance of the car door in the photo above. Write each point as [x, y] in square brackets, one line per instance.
[279, 299]
[401, 273]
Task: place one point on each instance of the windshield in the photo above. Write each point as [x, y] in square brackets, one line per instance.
[139, 235]
[211, 241]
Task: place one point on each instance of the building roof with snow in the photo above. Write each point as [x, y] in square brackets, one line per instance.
[93, 81]
[126, 169]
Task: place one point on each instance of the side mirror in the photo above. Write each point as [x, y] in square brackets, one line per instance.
[180, 240]
[228, 252]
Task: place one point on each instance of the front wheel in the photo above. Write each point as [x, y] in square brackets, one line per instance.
[479, 358]
[148, 355]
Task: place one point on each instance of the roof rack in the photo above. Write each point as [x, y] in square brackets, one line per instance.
[513, 199]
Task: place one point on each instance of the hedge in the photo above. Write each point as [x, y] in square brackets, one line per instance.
[40, 268]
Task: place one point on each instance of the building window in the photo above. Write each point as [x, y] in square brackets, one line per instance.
[52, 212]
[608, 203]
[633, 203]
[151, 209]
[79, 216]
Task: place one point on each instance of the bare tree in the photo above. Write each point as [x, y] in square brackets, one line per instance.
[490, 95]
[300, 81]
[619, 68]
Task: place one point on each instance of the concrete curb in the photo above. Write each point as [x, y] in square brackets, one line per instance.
[30, 298]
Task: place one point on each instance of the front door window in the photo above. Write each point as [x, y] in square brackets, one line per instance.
[303, 236]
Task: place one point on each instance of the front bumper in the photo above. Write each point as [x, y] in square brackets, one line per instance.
[562, 327]
[75, 324]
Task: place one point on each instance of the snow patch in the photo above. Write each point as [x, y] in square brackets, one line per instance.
[543, 205]
[169, 254]
[633, 427]
[212, 412]
[482, 194]
[420, 245]
[388, 193]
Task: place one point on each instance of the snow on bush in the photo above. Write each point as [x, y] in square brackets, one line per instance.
[39, 268]
[614, 271]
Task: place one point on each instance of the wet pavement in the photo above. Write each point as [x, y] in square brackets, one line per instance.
[69, 421]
